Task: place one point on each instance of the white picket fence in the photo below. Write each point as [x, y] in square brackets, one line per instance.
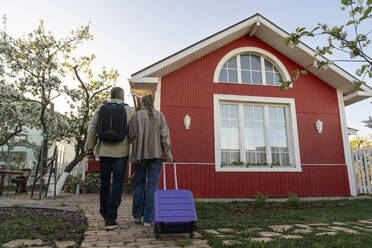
[361, 159]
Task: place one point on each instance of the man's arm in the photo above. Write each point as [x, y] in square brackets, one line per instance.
[92, 131]
[132, 132]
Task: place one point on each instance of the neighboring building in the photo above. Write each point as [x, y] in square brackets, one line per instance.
[25, 156]
[352, 131]
[368, 122]
[24, 153]
[245, 135]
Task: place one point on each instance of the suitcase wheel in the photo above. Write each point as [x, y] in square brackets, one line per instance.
[157, 230]
[194, 226]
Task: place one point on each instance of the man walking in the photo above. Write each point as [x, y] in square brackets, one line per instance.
[107, 132]
[151, 143]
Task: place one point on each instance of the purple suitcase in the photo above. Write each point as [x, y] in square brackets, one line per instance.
[174, 210]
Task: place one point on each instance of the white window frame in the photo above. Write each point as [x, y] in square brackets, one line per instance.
[292, 133]
[263, 54]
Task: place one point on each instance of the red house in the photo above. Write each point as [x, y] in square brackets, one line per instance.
[244, 135]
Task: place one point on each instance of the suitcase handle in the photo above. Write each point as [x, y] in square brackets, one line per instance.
[175, 176]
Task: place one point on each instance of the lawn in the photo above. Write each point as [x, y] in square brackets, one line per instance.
[244, 217]
[45, 224]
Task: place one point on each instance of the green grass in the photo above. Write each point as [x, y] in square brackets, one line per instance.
[28, 228]
[46, 225]
[218, 215]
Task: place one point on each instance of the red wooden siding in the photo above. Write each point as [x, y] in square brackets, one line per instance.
[205, 182]
[190, 89]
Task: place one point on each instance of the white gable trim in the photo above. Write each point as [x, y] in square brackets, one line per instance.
[194, 48]
[345, 141]
[251, 49]
[335, 77]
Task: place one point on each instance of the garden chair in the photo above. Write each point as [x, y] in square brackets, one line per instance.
[21, 181]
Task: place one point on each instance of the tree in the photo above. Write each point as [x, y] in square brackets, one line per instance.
[34, 66]
[361, 141]
[91, 92]
[15, 115]
[347, 39]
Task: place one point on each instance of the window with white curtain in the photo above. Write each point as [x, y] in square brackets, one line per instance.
[255, 132]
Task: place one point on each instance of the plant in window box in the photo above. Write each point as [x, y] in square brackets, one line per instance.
[275, 164]
[256, 164]
[237, 163]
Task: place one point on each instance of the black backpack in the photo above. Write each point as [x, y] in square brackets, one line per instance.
[112, 122]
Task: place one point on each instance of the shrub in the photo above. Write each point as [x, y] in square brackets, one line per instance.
[260, 199]
[293, 200]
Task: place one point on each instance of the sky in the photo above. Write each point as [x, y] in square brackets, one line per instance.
[130, 35]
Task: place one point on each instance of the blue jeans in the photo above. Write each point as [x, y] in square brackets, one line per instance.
[110, 200]
[146, 182]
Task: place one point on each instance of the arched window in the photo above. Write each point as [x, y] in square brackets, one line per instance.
[250, 65]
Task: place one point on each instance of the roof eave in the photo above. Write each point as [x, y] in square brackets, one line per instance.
[335, 76]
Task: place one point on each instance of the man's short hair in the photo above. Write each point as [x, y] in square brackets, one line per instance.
[117, 93]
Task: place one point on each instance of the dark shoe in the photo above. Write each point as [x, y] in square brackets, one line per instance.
[110, 225]
[138, 220]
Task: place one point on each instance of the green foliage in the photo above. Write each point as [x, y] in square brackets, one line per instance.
[37, 64]
[346, 38]
[361, 141]
[293, 200]
[34, 64]
[260, 199]
[74, 181]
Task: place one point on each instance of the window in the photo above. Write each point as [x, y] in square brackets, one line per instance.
[255, 134]
[229, 71]
[250, 65]
[248, 68]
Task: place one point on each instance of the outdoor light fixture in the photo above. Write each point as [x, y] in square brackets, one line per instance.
[187, 121]
[319, 126]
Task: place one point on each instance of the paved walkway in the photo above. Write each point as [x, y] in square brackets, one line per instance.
[129, 234]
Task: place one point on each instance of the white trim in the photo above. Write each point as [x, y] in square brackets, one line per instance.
[355, 94]
[158, 96]
[144, 80]
[255, 50]
[367, 89]
[356, 97]
[290, 102]
[243, 28]
[241, 137]
[345, 140]
[254, 29]
[196, 48]
[307, 50]
[324, 164]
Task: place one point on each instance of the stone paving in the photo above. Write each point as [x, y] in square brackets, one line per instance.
[128, 234]
[295, 231]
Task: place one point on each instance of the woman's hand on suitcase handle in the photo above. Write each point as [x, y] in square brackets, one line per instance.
[169, 159]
